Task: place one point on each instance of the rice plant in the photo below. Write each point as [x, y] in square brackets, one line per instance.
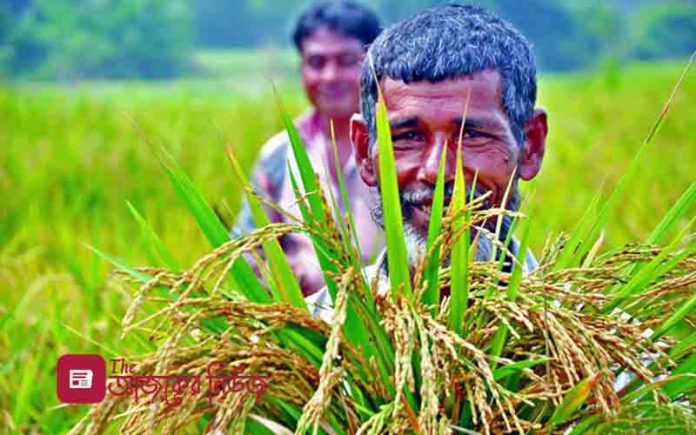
[592, 340]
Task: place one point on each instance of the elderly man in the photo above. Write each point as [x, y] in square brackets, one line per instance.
[331, 38]
[426, 67]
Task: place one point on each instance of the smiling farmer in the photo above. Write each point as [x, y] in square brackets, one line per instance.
[427, 67]
[332, 38]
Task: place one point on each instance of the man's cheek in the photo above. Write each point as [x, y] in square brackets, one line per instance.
[407, 166]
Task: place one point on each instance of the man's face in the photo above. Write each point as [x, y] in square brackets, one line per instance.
[424, 118]
[331, 72]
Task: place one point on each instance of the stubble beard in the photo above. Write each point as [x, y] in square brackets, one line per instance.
[416, 240]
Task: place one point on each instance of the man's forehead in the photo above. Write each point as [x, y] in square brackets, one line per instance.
[327, 42]
[484, 89]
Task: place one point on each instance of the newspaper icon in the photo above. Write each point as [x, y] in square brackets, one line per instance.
[80, 379]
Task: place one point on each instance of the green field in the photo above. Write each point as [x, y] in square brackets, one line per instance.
[71, 158]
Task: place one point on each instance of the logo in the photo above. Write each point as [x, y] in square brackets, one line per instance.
[81, 378]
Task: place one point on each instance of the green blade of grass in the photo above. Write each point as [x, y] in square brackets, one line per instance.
[652, 270]
[676, 212]
[153, 243]
[513, 287]
[311, 187]
[364, 335]
[459, 288]
[577, 234]
[344, 195]
[399, 272]
[686, 309]
[512, 368]
[686, 368]
[206, 218]
[284, 276]
[119, 264]
[432, 293]
[572, 256]
[573, 399]
[243, 275]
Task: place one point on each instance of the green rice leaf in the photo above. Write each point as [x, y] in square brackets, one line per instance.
[153, 243]
[431, 275]
[685, 373]
[459, 291]
[574, 399]
[206, 218]
[370, 338]
[282, 273]
[685, 310]
[654, 269]
[344, 196]
[513, 287]
[313, 191]
[119, 264]
[518, 269]
[512, 368]
[577, 234]
[242, 274]
[676, 212]
[399, 272]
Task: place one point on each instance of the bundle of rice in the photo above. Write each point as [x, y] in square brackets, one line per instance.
[588, 341]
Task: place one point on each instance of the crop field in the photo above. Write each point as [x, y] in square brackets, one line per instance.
[77, 160]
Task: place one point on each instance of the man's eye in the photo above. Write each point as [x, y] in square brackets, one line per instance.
[409, 135]
[316, 62]
[348, 60]
[474, 134]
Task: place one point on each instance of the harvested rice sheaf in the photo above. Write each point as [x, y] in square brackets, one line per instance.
[586, 342]
[572, 350]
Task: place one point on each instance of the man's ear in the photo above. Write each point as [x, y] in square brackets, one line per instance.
[535, 132]
[360, 138]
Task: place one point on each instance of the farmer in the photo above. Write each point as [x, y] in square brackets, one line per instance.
[332, 38]
[427, 66]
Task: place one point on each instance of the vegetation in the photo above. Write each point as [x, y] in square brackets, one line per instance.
[69, 40]
[73, 157]
[503, 352]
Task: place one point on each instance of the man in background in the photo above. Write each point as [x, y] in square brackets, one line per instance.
[332, 39]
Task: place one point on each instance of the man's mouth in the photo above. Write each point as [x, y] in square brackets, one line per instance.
[419, 212]
[333, 91]
[426, 206]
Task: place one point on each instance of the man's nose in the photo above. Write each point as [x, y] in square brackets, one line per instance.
[430, 167]
[330, 71]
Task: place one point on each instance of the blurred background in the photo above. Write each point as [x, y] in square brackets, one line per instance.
[89, 89]
[128, 39]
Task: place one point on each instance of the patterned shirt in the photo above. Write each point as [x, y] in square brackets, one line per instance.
[270, 179]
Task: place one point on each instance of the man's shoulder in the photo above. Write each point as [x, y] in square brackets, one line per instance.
[276, 148]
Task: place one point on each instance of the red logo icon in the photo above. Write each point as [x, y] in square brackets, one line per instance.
[81, 378]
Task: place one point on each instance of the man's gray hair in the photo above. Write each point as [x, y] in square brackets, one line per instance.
[448, 42]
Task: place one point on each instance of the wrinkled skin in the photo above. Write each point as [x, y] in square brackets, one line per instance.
[424, 118]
